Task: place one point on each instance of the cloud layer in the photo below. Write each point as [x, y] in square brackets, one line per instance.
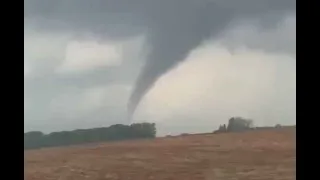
[82, 60]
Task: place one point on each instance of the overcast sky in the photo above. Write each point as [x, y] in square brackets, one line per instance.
[82, 60]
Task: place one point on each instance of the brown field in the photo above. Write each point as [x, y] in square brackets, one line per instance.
[259, 155]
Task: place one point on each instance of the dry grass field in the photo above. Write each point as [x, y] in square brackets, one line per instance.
[258, 155]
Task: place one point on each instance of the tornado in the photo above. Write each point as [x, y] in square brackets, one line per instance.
[171, 43]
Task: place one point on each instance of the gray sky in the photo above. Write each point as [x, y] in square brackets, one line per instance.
[199, 62]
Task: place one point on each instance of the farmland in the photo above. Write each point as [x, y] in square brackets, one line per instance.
[259, 155]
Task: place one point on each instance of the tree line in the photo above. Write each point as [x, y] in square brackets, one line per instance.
[236, 124]
[239, 124]
[37, 139]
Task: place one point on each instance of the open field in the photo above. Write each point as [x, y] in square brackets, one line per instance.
[258, 155]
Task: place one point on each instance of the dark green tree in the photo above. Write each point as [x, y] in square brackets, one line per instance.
[239, 124]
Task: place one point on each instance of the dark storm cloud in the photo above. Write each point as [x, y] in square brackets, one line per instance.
[172, 27]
